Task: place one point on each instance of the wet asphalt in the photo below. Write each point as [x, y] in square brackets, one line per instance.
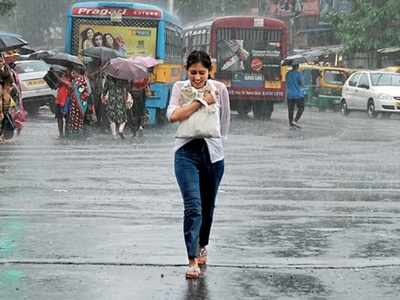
[301, 214]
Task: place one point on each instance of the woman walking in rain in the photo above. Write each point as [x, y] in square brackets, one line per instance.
[137, 114]
[199, 161]
[77, 105]
[8, 106]
[115, 95]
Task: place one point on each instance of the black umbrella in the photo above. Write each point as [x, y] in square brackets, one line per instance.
[25, 50]
[64, 60]
[103, 54]
[58, 69]
[294, 60]
[10, 41]
[41, 54]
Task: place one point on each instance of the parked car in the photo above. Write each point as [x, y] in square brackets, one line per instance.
[35, 91]
[372, 91]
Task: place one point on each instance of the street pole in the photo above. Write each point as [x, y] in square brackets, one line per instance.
[291, 33]
[171, 6]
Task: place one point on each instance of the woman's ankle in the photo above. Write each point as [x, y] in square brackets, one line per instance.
[193, 262]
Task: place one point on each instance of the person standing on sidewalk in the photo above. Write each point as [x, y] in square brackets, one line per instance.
[295, 95]
[199, 162]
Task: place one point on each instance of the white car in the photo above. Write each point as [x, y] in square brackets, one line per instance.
[35, 91]
[371, 91]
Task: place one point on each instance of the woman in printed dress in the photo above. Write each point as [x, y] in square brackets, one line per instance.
[115, 95]
[78, 105]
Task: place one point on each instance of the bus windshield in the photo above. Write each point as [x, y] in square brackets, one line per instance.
[254, 53]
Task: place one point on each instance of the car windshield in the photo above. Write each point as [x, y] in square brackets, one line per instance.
[30, 67]
[335, 77]
[384, 79]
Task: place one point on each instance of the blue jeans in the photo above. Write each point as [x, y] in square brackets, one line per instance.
[198, 180]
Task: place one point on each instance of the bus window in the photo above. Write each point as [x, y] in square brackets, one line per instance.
[173, 45]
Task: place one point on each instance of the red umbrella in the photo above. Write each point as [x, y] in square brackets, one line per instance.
[125, 69]
[147, 61]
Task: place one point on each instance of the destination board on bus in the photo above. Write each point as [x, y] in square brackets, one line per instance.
[109, 11]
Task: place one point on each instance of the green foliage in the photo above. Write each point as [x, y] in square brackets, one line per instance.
[6, 6]
[191, 10]
[371, 25]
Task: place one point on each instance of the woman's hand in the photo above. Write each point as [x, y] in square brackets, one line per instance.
[104, 99]
[209, 98]
[182, 113]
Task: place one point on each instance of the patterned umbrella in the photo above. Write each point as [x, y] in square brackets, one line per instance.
[147, 61]
[125, 69]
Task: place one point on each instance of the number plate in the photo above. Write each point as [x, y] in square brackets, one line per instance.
[35, 82]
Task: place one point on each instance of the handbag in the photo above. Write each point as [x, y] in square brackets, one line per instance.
[203, 123]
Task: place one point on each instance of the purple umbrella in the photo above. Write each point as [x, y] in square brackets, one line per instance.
[147, 61]
[125, 69]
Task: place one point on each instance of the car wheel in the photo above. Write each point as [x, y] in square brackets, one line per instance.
[343, 108]
[258, 110]
[336, 107]
[243, 108]
[371, 109]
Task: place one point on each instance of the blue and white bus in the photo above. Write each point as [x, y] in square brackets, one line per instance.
[135, 29]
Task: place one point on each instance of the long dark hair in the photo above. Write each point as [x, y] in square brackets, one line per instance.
[201, 57]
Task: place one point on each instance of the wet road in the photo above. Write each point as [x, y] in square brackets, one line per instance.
[304, 214]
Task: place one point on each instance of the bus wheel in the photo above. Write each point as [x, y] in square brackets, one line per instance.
[269, 108]
[243, 108]
[258, 110]
[262, 110]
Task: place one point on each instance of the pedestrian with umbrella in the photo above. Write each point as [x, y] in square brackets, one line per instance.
[8, 107]
[137, 113]
[10, 42]
[139, 91]
[120, 72]
[99, 57]
[79, 93]
[78, 105]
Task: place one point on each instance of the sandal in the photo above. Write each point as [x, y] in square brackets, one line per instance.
[193, 272]
[203, 257]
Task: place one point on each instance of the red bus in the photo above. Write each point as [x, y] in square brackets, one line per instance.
[247, 52]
